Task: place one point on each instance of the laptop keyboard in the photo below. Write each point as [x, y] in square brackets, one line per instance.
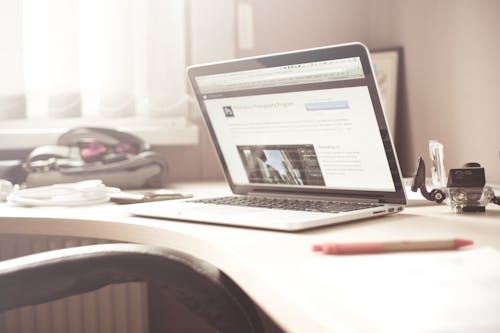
[323, 206]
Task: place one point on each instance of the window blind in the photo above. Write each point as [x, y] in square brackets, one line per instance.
[87, 59]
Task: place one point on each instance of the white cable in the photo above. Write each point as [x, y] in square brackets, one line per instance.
[6, 188]
[82, 193]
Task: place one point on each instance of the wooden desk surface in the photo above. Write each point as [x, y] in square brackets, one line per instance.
[295, 286]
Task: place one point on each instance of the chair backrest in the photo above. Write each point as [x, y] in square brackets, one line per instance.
[201, 287]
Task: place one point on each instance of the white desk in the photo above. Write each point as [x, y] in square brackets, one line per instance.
[296, 287]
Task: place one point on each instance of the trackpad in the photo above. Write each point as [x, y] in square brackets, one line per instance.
[220, 210]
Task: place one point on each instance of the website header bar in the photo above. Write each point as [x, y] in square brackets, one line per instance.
[313, 72]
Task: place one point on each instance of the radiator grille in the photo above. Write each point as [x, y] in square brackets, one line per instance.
[114, 309]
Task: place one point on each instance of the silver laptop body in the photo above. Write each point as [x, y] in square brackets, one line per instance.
[295, 132]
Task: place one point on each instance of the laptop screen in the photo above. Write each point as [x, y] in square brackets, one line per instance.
[303, 124]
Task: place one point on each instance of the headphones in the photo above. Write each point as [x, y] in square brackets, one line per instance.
[119, 159]
[82, 146]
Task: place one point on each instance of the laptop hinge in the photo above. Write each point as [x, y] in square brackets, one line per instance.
[310, 196]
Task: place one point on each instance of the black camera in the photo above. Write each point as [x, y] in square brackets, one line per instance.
[465, 190]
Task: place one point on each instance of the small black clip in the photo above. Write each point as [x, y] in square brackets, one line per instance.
[419, 184]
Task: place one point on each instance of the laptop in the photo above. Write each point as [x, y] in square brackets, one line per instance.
[302, 140]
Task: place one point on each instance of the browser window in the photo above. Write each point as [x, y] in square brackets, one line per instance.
[310, 125]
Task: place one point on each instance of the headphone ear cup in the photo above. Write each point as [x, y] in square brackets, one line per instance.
[101, 134]
[46, 152]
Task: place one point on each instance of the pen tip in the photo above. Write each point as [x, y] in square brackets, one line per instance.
[462, 242]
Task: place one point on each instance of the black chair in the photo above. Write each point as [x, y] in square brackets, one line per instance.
[202, 288]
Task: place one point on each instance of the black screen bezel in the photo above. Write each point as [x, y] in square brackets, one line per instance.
[298, 57]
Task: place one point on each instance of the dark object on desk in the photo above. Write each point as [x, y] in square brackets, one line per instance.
[465, 190]
[13, 171]
[124, 198]
[116, 158]
[471, 175]
[201, 287]
[419, 184]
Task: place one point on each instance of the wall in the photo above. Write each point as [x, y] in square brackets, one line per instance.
[451, 77]
[284, 25]
[450, 83]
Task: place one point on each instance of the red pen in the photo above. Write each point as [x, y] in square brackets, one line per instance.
[380, 247]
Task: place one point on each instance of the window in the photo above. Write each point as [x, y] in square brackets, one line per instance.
[117, 63]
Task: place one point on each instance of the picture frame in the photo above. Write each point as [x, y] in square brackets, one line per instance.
[386, 66]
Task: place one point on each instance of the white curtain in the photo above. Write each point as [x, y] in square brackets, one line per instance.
[92, 58]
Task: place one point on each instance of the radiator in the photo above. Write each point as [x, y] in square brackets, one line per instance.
[114, 309]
